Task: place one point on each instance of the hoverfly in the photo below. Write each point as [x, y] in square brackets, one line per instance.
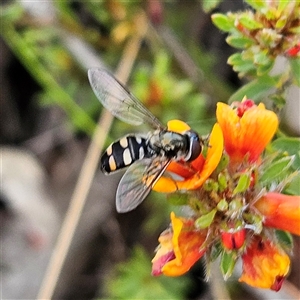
[147, 156]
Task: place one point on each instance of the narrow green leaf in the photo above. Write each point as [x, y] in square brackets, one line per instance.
[239, 41]
[240, 64]
[261, 58]
[235, 58]
[246, 68]
[281, 22]
[256, 89]
[276, 169]
[228, 261]
[249, 23]
[293, 188]
[205, 220]
[243, 184]
[285, 239]
[223, 22]
[291, 145]
[264, 68]
[222, 164]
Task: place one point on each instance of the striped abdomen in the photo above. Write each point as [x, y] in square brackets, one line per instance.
[123, 153]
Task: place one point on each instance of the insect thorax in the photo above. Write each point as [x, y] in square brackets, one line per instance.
[169, 144]
[124, 152]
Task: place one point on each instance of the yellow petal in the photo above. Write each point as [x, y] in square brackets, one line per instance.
[178, 126]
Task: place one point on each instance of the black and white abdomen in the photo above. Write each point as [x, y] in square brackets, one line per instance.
[123, 153]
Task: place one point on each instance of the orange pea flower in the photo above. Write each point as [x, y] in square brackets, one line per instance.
[247, 129]
[280, 211]
[264, 265]
[179, 249]
[200, 169]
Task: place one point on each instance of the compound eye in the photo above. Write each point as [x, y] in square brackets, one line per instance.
[195, 146]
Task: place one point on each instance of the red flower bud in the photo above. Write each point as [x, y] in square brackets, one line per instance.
[233, 240]
[292, 52]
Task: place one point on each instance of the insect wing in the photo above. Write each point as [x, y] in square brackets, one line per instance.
[138, 181]
[118, 100]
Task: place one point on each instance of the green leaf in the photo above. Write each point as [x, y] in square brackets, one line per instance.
[257, 4]
[249, 23]
[223, 163]
[243, 184]
[285, 240]
[223, 22]
[209, 5]
[265, 68]
[246, 68]
[240, 64]
[256, 89]
[261, 58]
[293, 188]
[276, 170]
[235, 58]
[205, 220]
[240, 42]
[228, 261]
[291, 145]
[295, 66]
[281, 22]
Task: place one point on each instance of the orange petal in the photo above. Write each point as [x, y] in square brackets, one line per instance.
[186, 244]
[214, 154]
[264, 265]
[280, 211]
[249, 134]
